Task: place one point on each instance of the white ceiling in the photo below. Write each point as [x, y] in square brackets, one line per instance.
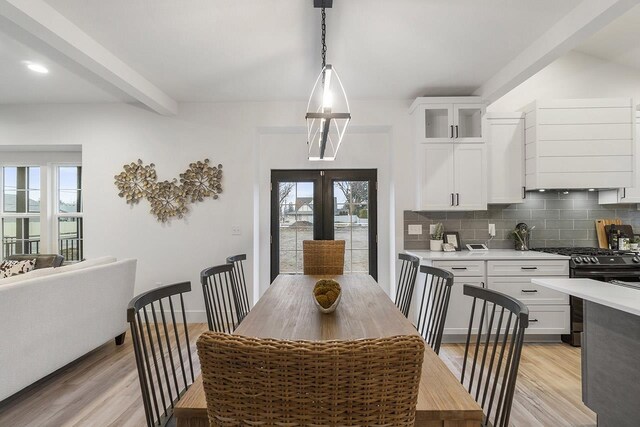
[18, 85]
[236, 50]
[619, 41]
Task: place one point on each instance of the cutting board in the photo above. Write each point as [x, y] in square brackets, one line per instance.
[603, 241]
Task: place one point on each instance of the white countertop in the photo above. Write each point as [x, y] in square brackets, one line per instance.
[491, 254]
[614, 296]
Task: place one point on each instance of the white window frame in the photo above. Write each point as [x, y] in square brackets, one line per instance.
[17, 215]
[49, 203]
[56, 214]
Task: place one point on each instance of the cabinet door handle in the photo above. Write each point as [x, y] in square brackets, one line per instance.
[528, 268]
[451, 199]
[451, 131]
[458, 268]
[457, 199]
[624, 193]
[533, 320]
[524, 192]
[482, 284]
[456, 131]
[530, 291]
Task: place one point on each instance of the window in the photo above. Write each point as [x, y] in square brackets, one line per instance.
[20, 210]
[69, 212]
[28, 226]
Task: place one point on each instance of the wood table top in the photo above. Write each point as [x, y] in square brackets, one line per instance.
[287, 311]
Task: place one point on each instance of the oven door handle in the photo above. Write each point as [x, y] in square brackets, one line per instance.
[607, 274]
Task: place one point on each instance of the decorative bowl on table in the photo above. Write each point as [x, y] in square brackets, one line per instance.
[326, 295]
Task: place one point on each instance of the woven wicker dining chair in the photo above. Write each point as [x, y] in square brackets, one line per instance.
[252, 381]
[162, 349]
[406, 282]
[240, 284]
[323, 257]
[490, 373]
[220, 302]
[432, 314]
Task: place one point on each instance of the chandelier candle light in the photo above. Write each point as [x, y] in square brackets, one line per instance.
[326, 125]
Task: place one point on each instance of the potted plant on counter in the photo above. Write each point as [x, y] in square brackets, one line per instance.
[436, 231]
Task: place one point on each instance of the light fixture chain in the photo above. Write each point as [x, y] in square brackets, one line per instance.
[324, 34]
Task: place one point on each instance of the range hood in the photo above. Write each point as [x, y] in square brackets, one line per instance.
[575, 144]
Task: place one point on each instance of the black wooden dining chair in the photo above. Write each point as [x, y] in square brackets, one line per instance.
[240, 282]
[496, 349]
[432, 314]
[220, 301]
[406, 282]
[162, 349]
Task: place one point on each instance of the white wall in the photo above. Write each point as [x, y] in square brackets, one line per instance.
[230, 133]
[575, 75]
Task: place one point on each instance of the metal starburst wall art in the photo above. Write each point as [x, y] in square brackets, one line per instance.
[169, 199]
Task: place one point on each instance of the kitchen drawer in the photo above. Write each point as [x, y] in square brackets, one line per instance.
[548, 319]
[462, 268]
[528, 268]
[522, 289]
[543, 320]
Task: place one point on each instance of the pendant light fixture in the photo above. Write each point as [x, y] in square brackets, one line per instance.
[328, 111]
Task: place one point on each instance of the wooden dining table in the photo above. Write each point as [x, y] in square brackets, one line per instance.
[287, 311]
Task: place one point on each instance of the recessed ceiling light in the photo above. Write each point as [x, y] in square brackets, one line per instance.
[542, 190]
[592, 189]
[565, 192]
[38, 68]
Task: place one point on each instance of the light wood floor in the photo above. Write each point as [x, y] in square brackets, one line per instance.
[102, 390]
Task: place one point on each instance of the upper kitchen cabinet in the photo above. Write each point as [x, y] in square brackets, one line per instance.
[505, 154]
[580, 143]
[451, 119]
[626, 194]
[451, 177]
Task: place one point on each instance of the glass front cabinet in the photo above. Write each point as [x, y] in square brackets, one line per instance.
[456, 119]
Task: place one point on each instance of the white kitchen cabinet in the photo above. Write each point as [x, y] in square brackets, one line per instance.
[548, 310]
[580, 143]
[450, 119]
[451, 177]
[459, 312]
[470, 183]
[505, 158]
[626, 194]
[436, 176]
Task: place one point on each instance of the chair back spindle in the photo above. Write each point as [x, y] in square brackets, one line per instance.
[162, 349]
[406, 282]
[222, 306]
[432, 314]
[240, 287]
[492, 354]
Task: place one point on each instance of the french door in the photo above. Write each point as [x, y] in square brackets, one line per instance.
[331, 204]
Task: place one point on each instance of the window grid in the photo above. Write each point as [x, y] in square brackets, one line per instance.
[23, 219]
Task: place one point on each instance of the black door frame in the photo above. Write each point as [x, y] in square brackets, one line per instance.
[323, 228]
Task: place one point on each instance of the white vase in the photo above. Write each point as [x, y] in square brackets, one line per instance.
[435, 245]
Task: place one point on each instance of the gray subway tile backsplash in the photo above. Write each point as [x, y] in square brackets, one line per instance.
[559, 219]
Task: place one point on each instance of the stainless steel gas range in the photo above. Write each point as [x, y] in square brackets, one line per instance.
[616, 267]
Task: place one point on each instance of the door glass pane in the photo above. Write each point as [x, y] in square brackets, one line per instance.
[350, 223]
[295, 219]
[436, 123]
[469, 123]
[20, 236]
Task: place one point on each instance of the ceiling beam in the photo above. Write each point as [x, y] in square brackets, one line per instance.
[584, 20]
[39, 20]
